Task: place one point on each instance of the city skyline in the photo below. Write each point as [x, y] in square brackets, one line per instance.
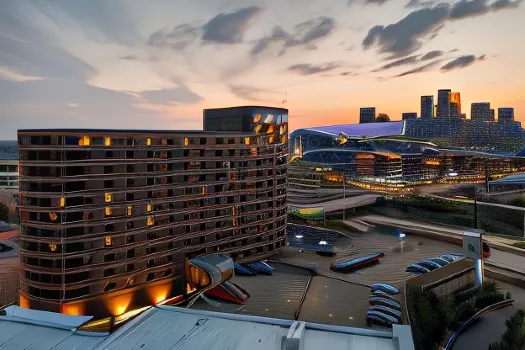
[157, 65]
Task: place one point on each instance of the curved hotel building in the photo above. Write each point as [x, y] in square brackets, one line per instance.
[110, 218]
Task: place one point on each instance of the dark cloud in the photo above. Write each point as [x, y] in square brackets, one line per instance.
[30, 52]
[311, 69]
[462, 62]
[401, 62]
[409, 34]
[305, 34]
[129, 58]
[375, 2]
[469, 8]
[179, 95]
[420, 3]
[505, 4]
[431, 55]
[404, 37]
[229, 28]
[473, 8]
[178, 38]
[419, 69]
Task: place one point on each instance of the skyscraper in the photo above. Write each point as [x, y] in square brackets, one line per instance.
[481, 112]
[443, 105]
[455, 105]
[427, 107]
[367, 115]
[505, 115]
[409, 116]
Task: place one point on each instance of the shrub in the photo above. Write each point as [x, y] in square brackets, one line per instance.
[519, 245]
[514, 336]
[4, 212]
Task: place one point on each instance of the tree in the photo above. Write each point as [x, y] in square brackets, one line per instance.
[4, 212]
[514, 336]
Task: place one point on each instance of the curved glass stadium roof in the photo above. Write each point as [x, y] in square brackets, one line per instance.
[366, 130]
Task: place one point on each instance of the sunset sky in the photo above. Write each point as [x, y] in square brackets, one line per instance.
[156, 64]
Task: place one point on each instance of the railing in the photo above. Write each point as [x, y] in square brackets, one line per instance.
[473, 319]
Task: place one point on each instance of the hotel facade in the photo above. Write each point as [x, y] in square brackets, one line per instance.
[111, 218]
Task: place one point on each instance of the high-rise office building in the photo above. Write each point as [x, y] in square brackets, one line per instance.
[481, 111]
[455, 105]
[409, 116]
[505, 115]
[443, 105]
[110, 218]
[367, 115]
[427, 107]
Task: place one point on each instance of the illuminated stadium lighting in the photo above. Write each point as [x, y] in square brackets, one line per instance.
[323, 243]
[299, 236]
[452, 174]
[401, 235]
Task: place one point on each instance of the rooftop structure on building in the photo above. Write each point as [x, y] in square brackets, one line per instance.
[110, 219]
[167, 327]
[409, 116]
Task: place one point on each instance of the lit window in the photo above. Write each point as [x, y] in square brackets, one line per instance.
[257, 118]
[53, 216]
[258, 128]
[130, 210]
[62, 202]
[148, 207]
[271, 140]
[108, 240]
[108, 197]
[164, 142]
[52, 246]
[151, 221]
[271, 129]
[269, 119]
[186, 141]
[108, 211]
[203, 190]
[148, 141]
[284, 139]
[107, 141]
[84, 141]
[253, 152]
[246, 140]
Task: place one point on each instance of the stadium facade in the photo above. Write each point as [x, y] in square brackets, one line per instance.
[110, 218]
[394, 153]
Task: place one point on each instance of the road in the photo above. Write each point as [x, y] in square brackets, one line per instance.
[339, 204]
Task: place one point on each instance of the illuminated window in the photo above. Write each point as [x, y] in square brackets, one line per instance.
[148, 207]
[151, 221]
[148, 141]
[130, 210]
[52, 246]
[269, 119]
[271, 129]
[253, 152]
[283, 128]
[257, 118]
[246, 140]
[203, 190]
[108, 197]
[84, 141]
[258, 128]
[164, 142]
[62, 202]
[271, 139]
[107, 141]
[53, 216]
[284, 139]
[186, 141]
[108, 211]
[107, 240]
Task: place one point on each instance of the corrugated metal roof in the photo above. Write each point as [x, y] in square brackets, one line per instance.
[366, 130]
[168, 327]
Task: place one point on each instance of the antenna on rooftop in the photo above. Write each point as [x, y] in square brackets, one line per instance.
[284, 100]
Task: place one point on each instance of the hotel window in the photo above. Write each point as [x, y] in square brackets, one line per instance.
[107, 241]
[107, 141]
[130, 210]
[246, 140]
[186, 141]
[151, 221]
[108, 211]
[108, 197]
[84, 141]
[148, 207]
[62, 202]
[148, 141]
